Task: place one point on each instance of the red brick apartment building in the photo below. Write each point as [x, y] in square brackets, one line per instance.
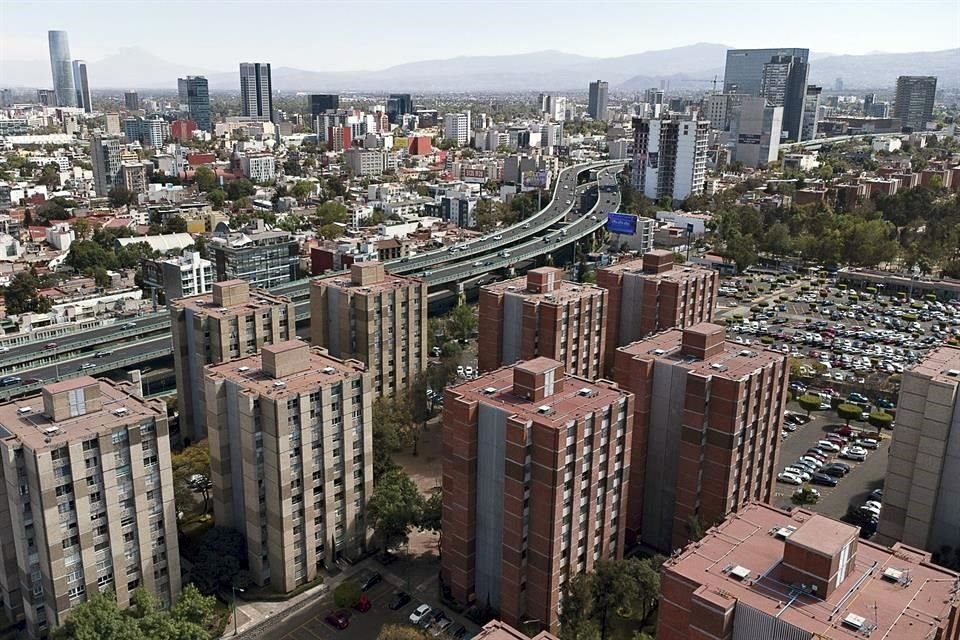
[653, 293]
[767, 574]
[543, 315]
[706, 429]
[535, 469]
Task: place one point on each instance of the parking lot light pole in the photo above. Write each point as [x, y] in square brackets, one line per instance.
[235, 589]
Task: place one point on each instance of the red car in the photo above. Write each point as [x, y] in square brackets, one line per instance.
[363, 604]
[339, 620]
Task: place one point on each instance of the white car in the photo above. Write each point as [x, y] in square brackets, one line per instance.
[853, 455]
[468, 372]
[869, 443]
[460, 371]
[826, 445]
[800, 473]
[789, 478]
[420, 613]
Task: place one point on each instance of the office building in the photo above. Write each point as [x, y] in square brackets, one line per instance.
[112, 126]
[369, 162]
[743, 73]
[82, 84]
[256, 91]
[195, 94]
[542, 314]
[765, 573]
[780, 75]
[757, 125]
[229, 322]
[61, 69]
[375, 317]
[399, 105]
[717, 108]
[152, 131]
[457, 208]
[131, 100]
[669, 157]
[259, 167]
[921, 490]
[651, 294]
[86, 500]
[597, 100]
[265, 259]
[320, 103]
[105, 160]
[456, 127]
[134, 177]
[291, 458]
[179, 276]
[811, 112]
[47, 97]
[535, 470]
[913, 104]
[706, 433]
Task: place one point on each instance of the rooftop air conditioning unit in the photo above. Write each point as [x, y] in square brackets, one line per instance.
[489, 391]
[544, 409]
[784, 532]
[51, 431]
[740, 573]
[22, 411]
[854, 621]
[279, 383]
[893, 575]
[329, 370]
[586, 392]
[243, 369]
[659, 352]
[121, 411]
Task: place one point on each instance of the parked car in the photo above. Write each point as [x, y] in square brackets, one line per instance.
[826, 445]
[824, 479]
[420, 613]
[883, 403]
[869, 443]
[386, 558]
[459, 633]
[789, 478]
[371, 581]
[363, 604]
[399, 600]
[849, 453]
[831, 470]
[857, 398]
[800, 473]
[338, 620]
[876, 494]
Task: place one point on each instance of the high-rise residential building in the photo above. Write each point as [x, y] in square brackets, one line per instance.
[669, 157]
[82, 84]
[542, 314]
[375, 317]
[230, 322]
[105, 160]
[131, 100]
[320, 103]
[718, 108]
[86, 500]
[256, 91]
[597, 100]
[259, 167]
[398, 105]
[61, 69]
[784, 84]
[134, 177]
[743, 73]
[291, 458]
[456, 127]
[535, 470]
[765, 573]
[152, 131]
[706, 432]
[921, 489]
[195, 93]
[757, 125]
[179, 276]
[265, 259]
[913, 104]
[811, 112]
[651, 294]
[112, 125]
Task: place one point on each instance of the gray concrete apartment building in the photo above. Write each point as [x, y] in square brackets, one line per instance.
[921, 492]
[291, 452]
[230, 322]
[375, 317]
[86, 500]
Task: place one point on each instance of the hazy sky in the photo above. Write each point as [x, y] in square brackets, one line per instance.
[369, 34]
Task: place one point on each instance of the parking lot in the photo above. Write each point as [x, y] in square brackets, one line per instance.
[852, 489]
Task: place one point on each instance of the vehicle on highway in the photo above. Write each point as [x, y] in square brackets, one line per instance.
[51, 345]
[338, 619]
[824, 479]
[421, 612]
[87, 365]
[371, 581]
[8, 382]
[498, 237]
[102, 354]
[129, 325]
[400, 598]
[4, 349]
[789, 478]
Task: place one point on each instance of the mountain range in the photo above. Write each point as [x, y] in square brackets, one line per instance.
[692, 66]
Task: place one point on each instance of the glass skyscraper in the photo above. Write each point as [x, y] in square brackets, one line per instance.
[62, 69]
[256, 91]
[82, 85]
[744, 70]
[195, 93]
[779, 75]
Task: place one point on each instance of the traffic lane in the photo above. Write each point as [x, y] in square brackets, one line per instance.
[49, 373]
[82, 335]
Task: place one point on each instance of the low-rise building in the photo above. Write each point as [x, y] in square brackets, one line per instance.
[259, 167]
[265, 259]
[180, 276]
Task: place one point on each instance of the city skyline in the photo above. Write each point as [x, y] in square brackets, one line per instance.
[25, 26]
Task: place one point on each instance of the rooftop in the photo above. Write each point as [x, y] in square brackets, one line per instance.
[676, 273]
[895, 591]
[24, 417]
[389, 282]
[204, 304]
[941, 365]
[563, 291]
[497, 630]
[577, 397]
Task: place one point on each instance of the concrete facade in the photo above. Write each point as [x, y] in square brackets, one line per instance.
[543, 315]
[706, 429]
[86, 500]
[921, 491]
[230, 322]
[535, 469]
[291, 458]
[376, 318]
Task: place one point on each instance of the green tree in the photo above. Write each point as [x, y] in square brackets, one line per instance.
[848, 412]
[577, 615]
[81, 228]
[809, 403]
[219, 561]
[241, 188]
[301, 190]
[881, 420]
[392, 426]
[217, 197]
[613, 585]
[176, 224]
[393, 509]
[420, 406]
[485, 213]
[431, 516]
[120, 196]
[461, 323]
[191, 461]
[804, 496]
[22, 295]
[347, 594]
[102, 278]
[205, 179]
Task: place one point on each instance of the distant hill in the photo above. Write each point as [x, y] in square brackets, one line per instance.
[692, 66]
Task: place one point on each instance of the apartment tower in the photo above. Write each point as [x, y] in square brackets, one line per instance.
[535, 470]
[256, 91]
[706, 430]
[291, 458]
[377, 318]
[86, 500]
[913, 104]
[597, 100]
[543, 315]
[230, 322]
[669, 157]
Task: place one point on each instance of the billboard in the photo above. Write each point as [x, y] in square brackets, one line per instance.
[535, 179]
[622, 223]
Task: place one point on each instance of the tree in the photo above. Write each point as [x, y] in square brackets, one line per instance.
[393, 509]
[301, 190]
[241, 188]
[809, 402]
[461, 323]
[22, 295]
[188, 463]
[848, 412]
[401, 632]
[485, 214]
[576, 616]
[347, 594]
[120, 196]
[881, 420]
[804, 497]
[613, 585]
[431, 516]
[220, 556]
[205, 179]
[81, 228]
[102, 278]
[331, 212]
[217, 197]
[176, 224]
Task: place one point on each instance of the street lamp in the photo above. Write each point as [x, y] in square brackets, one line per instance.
[235, 589]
